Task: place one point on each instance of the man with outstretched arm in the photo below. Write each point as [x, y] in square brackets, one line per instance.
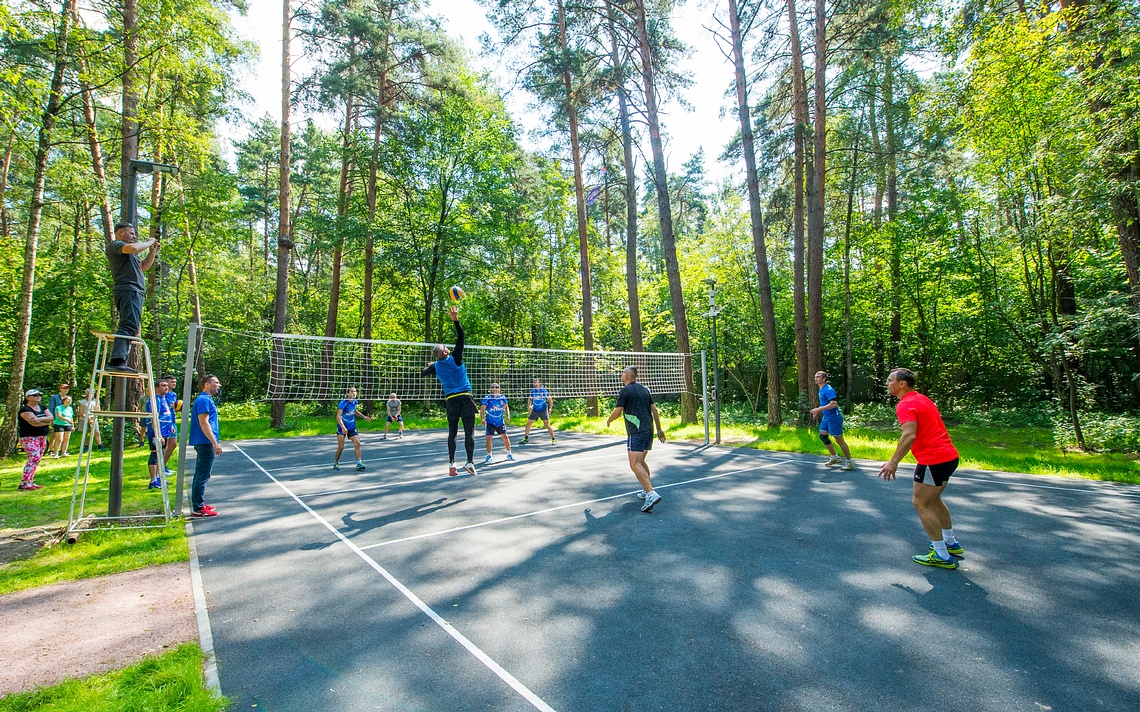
[452, 374]
[129, 289]
[924, 434]
[635, 406]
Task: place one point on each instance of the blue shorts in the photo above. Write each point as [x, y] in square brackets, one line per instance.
[496, 429]
[639, 442]
[832, 425]
[350, 434]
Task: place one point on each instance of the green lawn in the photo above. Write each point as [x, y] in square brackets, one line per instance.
[173, 681]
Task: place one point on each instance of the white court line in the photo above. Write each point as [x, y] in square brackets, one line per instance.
[505, 676]
[521, 466]
[566, 506]
[1111, 491]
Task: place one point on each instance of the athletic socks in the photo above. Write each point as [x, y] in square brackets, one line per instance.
[940, 549]
[948, 536]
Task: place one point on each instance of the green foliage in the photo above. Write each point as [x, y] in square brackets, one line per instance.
[172, 681]
[1102, 433]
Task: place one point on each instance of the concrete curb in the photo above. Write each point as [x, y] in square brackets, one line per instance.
[205, 635]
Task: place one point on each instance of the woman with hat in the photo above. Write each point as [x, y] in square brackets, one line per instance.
[35, 424]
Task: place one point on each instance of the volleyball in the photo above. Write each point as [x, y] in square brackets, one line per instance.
[456, 294]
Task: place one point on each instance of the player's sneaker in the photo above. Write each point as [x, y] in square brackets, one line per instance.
[451, 471]
[641, 494]
[554, 441]
[336, 465]
[833, 460]
[199, 513]
[487, 460]
[29, 486]
[169, 472]
[383, 437]
[651, 500]
[525, 440]
[360, 465]
[511, 456]
[469, 468]
[156, 483]
[208, 508]
[848, 465]
[400, 436]
[931, 558]
[954, 550]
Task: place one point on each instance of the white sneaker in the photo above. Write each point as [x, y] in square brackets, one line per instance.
[848, 465]
[469, 468]
[511, 456]
[651, 499]
[487, 460]
[641, 494]
[834, 460]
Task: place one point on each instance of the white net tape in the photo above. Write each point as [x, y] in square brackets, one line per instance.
[304, 368]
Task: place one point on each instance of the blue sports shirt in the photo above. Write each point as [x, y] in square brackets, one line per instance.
[540, 398]
[826, 395]
[165, 417]
[496, 409]
[349, 413]
[203, 404]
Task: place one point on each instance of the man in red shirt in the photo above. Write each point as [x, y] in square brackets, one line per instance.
[924, 435]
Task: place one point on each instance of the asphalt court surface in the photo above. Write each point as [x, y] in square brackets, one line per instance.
[762, 581]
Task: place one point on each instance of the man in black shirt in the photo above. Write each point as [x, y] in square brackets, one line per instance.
[129, 289]
[635, 406]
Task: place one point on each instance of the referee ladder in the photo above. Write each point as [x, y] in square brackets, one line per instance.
[101, 376]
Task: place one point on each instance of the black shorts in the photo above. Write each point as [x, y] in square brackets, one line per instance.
[543, 415]
[62, 428]
[153, 451]
[939, 473]
[350, 434]
[639, 442]
[496, 430]
[395, 419]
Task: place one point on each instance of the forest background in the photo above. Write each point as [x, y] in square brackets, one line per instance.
[977, 221]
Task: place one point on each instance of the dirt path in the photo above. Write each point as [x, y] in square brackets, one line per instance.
[87, 627]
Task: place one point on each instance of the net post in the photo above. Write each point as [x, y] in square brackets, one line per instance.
[184, 432]
[705, 393]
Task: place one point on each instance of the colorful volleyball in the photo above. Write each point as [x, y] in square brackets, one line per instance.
[456, 294]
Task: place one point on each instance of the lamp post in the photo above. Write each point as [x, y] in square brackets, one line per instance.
[712, 313]
[128, 214]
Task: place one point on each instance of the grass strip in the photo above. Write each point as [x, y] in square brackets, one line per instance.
[173, 681]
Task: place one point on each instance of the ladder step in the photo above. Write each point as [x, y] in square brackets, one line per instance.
[141, 375]
[122, 413]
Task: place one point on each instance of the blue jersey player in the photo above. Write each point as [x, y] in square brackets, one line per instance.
[346, 413]
[831, 423]
[449, 368]
[496, 413]
[540, 403]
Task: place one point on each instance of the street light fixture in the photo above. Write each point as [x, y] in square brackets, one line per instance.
[712, 313]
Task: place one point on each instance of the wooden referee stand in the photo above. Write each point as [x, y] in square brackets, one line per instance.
[100, 376]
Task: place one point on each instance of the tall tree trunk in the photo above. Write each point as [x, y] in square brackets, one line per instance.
[848, 358]
[88, 95]
[284, 225]
[630, 188]
[665, 215]
[892, 211]
[72, 325]
[130, 127]
[816, 204]
[877, 152]
[579, 201]
[800, 119]
[36, 204]
[768, 312]
[7, 165]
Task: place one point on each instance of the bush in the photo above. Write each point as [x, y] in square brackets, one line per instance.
[1105, 433]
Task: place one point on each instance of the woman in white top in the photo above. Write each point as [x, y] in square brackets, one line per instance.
[87, 407]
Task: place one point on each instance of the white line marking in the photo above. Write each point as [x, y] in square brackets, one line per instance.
[505, 676]
[202, 613]
[519, 466]
[1108, 491]
[566, 506]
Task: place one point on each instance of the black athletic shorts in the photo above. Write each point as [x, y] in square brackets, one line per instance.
[62, 428]
[639, 442]
[939, 473]
[496, 430]
[543, 415]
